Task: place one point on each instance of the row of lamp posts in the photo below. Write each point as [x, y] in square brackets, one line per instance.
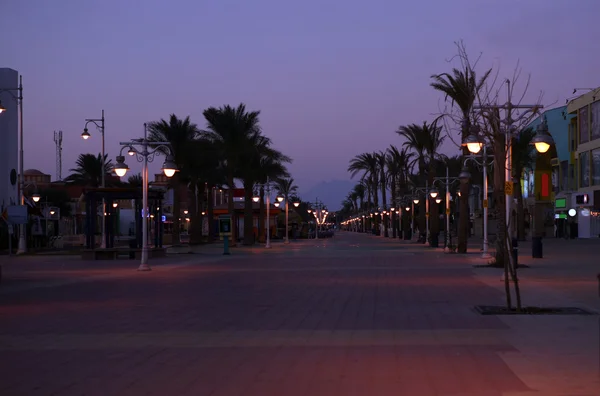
[474, 143]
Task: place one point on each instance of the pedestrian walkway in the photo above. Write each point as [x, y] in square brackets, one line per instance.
[351, 315]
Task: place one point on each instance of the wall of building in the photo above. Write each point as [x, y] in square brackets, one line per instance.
[585, 156]
[586, 136]
[558, 126]
[9, 133]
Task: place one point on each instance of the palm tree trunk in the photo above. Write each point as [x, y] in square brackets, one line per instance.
[248, 215]
[231, 209]
[501, 259]
[210, 212]
[384, 203]
[376, 206]
[463, 213]
[176, 209]
[369, 225]
[434, 208]
[520, 208]
[394, 217]
[261, 216]
[195, 227]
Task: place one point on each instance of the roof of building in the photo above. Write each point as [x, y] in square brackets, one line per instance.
[34, 172]
[583, 100]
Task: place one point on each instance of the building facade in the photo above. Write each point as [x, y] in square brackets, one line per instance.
[9, 134]
[584, 137]
[546, 185]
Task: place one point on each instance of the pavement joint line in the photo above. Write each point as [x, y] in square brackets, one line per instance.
[249, 339]
[41, 284]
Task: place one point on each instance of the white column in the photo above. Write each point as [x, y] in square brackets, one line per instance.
[447, 233]
[268, 244]
[145, 212]
[485, 253]
[427, 212]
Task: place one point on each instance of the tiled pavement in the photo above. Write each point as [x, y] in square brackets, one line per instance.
[353, 315]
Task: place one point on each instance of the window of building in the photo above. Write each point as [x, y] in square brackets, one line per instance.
[564, 176]
[584, 166]
[555, 179]
[595, 120]
[596, 167]
[573, 135]
[584, 131]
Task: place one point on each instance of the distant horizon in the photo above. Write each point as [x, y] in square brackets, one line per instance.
[329, 84]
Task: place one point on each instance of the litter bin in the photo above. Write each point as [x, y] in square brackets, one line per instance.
[515, 251]
[132, 247]
[435, 239]
[537, 248]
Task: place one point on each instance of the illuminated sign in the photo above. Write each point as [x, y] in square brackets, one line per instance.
[560, 203]
[582, 199]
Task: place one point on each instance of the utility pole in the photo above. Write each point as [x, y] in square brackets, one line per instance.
[58, 143]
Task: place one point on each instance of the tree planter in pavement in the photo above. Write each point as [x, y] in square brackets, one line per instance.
[503, 310]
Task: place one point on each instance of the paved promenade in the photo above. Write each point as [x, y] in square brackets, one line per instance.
[352, 315]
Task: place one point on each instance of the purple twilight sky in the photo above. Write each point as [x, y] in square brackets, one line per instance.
[332, 78]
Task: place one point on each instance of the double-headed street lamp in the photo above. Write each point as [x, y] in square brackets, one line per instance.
[474, 145]
[296, 203]
[447, 182]
[145, 153]
[19, 99]
[402, 204]
[267, 187]
[425, 191]
[99, 123]
[318, 210]
[542, 141]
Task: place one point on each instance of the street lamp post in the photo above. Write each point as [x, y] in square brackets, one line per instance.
[22, 248]
[256, 198]
[286, 198]
[99, 123]
[320, 214]
[446, 182]
[145, 154]
[426, 192]
[465, 175]
[542, 142]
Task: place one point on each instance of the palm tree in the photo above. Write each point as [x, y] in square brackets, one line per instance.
[381, 167]
[359, 191]
[269, 168]
[523, 157]
[462, 88]
[231, 130]
[366, 163]
[135, 180]
[398, 163]
[179, 133]
[286, 188]
[88, 170]
[425, 141]
[205, 172]
[262, 163]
